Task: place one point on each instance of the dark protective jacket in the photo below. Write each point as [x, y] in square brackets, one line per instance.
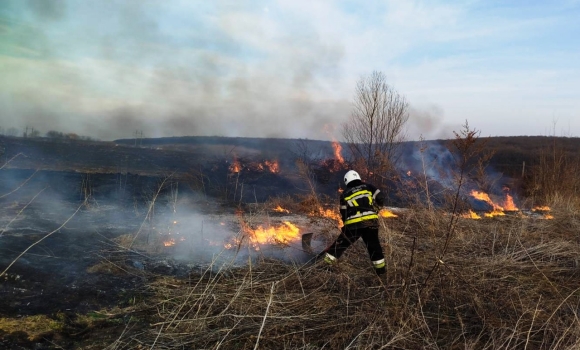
[359, 205]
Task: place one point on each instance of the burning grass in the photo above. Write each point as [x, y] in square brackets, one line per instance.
[506, 282]
[281, 234]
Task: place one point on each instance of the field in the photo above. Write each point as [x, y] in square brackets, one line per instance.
[119, 253]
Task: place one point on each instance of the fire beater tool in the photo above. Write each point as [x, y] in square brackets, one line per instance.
[307, 247]
[307, 242]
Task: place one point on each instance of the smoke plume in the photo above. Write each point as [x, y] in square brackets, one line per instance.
[107, 69]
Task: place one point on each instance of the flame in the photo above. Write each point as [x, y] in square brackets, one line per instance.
[328, 129]
[542, 208]
[285, 233]
[328, 213]
[498, 210]
[385, 213]
[482, 196]
[331, 214]
[279, 209]
[337, 151]
[235, 167]
[471, 215]
[169, 232]
[495, 212]
[267, 165]
[273, 166]
[508, 203]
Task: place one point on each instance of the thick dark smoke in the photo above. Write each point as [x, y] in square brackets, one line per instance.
[107, 69]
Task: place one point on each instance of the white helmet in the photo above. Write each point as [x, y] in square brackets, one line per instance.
[350, 176]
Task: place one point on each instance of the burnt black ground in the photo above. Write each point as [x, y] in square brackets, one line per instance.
[52, 276]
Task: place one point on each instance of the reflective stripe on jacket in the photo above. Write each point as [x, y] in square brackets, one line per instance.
[357, 204]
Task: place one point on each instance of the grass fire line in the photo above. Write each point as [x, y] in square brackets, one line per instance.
[500, 278]
[508, 206]
[284, 233]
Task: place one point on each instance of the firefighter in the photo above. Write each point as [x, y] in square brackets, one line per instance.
[358, 207]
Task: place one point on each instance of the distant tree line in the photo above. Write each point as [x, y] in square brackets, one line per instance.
[30, 132]
[52, 134]
[15, 132]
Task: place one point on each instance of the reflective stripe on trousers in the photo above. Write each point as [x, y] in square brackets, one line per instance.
[378, 264]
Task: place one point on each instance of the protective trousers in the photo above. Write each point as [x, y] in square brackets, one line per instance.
[370, 237]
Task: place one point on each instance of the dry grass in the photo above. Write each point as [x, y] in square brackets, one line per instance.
[36, 326]
[509, 282]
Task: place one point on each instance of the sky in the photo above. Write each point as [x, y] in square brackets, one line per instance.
[288, 69]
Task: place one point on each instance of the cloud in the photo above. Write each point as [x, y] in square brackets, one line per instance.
[254, 80]
[231, 68]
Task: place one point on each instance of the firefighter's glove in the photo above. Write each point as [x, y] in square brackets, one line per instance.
[329, 259]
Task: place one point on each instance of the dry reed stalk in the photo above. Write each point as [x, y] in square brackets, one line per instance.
[11, 159]
[503, 284]
[42, 239]
[19, 186]
[21, 210]
[150, 209]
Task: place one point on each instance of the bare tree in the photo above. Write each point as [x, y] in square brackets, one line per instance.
[375, 128]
